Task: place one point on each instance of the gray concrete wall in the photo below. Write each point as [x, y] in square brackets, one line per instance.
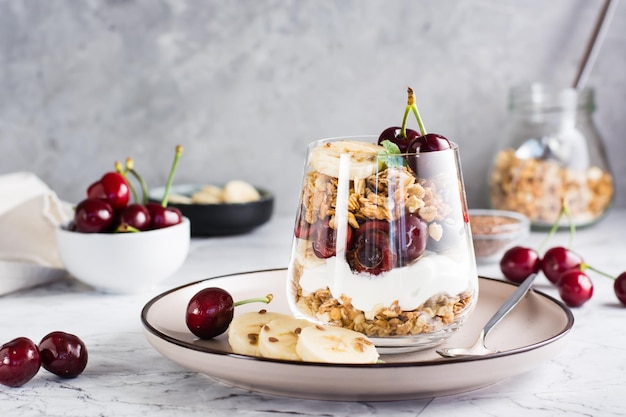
[245, 85]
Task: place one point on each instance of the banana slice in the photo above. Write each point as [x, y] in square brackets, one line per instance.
[237, 191]
[305, 255]
[335, 345]
[363, 158]
[278, 338]
[243, 332]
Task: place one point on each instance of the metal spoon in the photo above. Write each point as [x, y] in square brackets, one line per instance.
[479, 348]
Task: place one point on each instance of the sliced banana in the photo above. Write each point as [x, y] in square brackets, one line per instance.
[237, 191]
[243, 332]
[208, 194]
[363, 160]
[179, 199]
[335, 345]
[278, 338]
[305, 255]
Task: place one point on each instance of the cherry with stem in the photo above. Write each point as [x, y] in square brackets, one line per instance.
[401, 136]
[210, 311]
[163, 216]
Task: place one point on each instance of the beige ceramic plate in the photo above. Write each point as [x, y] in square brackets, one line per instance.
[535, 331]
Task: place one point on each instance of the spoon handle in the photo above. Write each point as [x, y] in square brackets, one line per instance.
[511, 302]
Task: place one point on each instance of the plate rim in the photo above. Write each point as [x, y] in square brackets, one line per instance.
[431, 362]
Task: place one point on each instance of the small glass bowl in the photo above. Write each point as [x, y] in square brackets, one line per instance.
[495, 231]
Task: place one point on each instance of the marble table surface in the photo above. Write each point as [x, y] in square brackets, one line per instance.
[127, 377]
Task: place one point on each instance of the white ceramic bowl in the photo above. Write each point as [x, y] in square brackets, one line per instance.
[124, 262]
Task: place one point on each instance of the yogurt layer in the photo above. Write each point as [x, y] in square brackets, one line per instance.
[411, 285]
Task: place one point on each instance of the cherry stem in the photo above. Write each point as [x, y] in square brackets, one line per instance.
[130, 167]
[584, 266]
[409, 104]
[125, 228]
[267, 299]
[118, 168]
[413, 106]
[170, 179]
[572, 228]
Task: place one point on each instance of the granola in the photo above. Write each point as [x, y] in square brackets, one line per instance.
[537, 188]
[436, 313]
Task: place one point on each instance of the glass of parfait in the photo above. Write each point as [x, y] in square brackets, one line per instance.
[382, 243]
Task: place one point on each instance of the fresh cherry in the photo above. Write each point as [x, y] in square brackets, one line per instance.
[210, 311]
[575, 288]
[411, 236]
[135, 217]
[113, 188]
[394, 135]
[163, 216]
[303, 229]
[93, 216]
[325, 240]
[430, 142]
[558, 260]
[19, 362]
[619, 287]
[372, 252]
[519, 262]
[63, 354]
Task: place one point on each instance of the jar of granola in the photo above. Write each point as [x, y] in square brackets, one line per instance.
[553, 155]
[382, 244]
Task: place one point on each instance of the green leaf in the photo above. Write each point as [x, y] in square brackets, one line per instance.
[391, 155]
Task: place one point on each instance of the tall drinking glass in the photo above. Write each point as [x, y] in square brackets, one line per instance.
[382, 243]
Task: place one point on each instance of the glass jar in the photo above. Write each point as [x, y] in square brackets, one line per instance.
[553, 155]
[382, 244]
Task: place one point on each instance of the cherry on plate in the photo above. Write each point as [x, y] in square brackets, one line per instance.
[209, 312]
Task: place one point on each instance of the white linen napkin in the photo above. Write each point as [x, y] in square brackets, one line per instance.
[29, 214]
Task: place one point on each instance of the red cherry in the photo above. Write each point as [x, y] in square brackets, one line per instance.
[136, 216]
[394, 135]
[113, 188]
[619, 287]
[63, 354]
[163, 216]
[93, 216]
[303, 229]
[575, 288]
[325, 240]
[558, 260]
[519, 262]
[411, 236]
[372, 250]
[430, 142]
[210, 311]
[19, 362]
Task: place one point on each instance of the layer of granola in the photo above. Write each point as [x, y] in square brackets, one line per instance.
[436, 313]
[383, 196]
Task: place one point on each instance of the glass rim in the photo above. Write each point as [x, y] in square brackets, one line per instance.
[315, 143]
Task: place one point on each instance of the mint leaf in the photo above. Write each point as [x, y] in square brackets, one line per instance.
[391, 155]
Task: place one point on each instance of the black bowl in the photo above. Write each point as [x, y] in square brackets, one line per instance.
[220, 219]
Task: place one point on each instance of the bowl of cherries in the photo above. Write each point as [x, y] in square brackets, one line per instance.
[119, 243]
